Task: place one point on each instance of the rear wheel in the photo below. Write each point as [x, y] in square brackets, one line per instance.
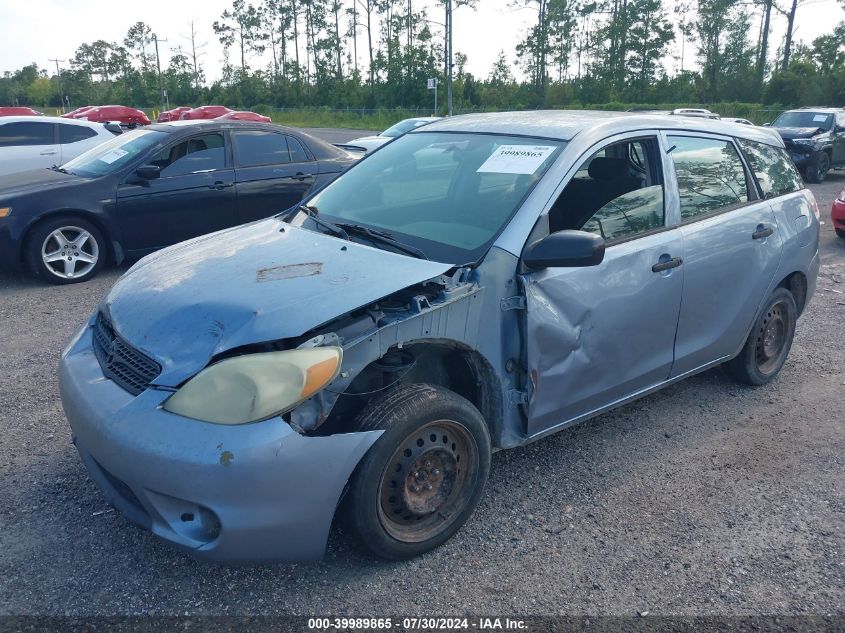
[816, 172]
[769, 342]
[65, 250]
[423, 477]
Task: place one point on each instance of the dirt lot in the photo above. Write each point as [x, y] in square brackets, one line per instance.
[706, 498]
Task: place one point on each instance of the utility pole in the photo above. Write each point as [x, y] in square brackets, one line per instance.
[158, 68]
[59, 75]
[449, 56]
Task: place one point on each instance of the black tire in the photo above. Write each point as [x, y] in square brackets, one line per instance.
[817, 171]
[840, 233]
[411, 492]
[42, 243]
[769, 342]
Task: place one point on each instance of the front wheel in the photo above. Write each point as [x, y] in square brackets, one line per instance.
[769, 342]
[817, 172]
[421, 480]
[65, 250]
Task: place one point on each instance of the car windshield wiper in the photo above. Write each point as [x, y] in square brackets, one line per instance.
[59, 169]
[384, 237]
[311, 212]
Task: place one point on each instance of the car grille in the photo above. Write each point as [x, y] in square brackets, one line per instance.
[121, 362]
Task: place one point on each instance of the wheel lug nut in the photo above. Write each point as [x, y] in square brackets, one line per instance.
[428, 486]
[416, 473]
[435, 471]
[415, 488]
[427, 463]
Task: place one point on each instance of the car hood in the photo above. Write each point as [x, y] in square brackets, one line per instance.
[788, 133]
[35, 180]
[256, 283]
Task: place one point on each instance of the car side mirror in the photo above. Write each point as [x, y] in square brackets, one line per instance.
[565, 249]
[148, 172]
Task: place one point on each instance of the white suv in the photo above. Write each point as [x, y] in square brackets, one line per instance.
[28, 142]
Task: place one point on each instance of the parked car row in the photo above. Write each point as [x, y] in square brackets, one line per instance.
[154, 186]
[475, 284]
[815, 139]
[210, 112]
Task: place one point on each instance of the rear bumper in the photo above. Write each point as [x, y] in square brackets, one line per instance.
[235, 494]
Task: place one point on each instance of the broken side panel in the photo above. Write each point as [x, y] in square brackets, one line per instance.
[597, 334]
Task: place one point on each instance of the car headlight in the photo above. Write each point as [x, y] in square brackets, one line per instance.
[5, 212]
[803, 141]
[255, 387]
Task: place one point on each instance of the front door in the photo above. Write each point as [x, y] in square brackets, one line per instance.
[194, 195]
[732, 248]
[28, 145]
[598, 334]
[273, 173]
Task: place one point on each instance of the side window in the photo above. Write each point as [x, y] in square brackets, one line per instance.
[256, 147]
[775, 171]
[710, 173]
[616, 193]
[72, 133]
[297, 152]
[26, 133]
[199, 153]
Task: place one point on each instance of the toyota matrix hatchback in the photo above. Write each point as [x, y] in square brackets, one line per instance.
[476, 284]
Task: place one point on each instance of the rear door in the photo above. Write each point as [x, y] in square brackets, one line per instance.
[76, 139]
[273, 172]
[194, 195]
[731, 248]
[28, 145]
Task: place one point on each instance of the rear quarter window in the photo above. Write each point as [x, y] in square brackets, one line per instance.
[773, 168]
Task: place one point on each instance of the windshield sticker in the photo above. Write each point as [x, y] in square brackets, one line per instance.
[113, 155]
[820, 117]
[516, 159]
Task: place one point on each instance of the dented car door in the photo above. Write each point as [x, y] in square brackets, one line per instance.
[599, 334]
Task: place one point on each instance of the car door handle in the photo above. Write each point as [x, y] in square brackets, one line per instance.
[761, 232]
[50, 152]
[300, 176]
[659, 267]
[219, 184]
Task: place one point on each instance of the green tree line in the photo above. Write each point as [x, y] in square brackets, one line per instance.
[379, 54]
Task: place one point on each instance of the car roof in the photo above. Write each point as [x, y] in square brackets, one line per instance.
[47, 119]
[564, 125]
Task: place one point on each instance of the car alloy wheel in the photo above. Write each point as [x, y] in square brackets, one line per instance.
[70, 252]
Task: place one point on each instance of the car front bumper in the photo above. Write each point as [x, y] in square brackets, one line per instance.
[237, 494]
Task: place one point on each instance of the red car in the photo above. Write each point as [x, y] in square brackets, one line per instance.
[837, 214]
[246, 116]
[72, 114]
[121, 114]
[19, 111]
[205, 112]
[172, 115]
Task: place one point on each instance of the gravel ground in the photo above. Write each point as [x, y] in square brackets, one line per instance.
[706, 498]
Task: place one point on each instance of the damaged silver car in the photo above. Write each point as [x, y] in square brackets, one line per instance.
[472, 286]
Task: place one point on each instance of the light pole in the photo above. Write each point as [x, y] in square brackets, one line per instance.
[59, 75]
[161, 93]
[449, 55]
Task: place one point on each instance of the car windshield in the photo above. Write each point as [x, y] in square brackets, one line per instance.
[403, 126]
[446, 194]
[113, 154]
[804, 119]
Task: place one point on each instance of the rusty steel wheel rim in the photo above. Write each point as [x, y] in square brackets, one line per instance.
[428, 480]
[771, 338]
